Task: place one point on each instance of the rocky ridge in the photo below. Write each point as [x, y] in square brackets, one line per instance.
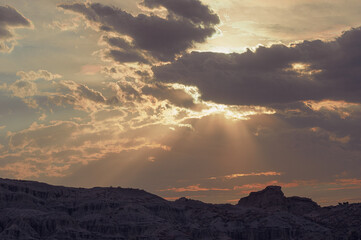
[32, 210]
[272, 198]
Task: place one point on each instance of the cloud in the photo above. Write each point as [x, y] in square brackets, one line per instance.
[21, 170]
[161, 38]
[10, 18]
[126, 57]
[23, 88]
[66, 25]
[334, 121]
[45, 137]
[342, 184]
[238, 175]
[108, 143]
[35, 75]
[71, 95]
[195, 188]
[51, 149]
[176, 96]
[103, 115]
[124, 52]
[81, 95]
[126, 91]
[65, 93]
[311, 70]
[194, 10]
[90, 69]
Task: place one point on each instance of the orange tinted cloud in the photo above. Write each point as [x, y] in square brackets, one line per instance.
[352, 181]
[90, 69]
[342, 184]
[237, 175]
[195, 188]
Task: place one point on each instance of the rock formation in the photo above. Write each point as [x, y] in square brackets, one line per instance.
[272, 198]
[32, 211]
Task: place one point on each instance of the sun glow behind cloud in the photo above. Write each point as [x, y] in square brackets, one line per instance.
[234, 112]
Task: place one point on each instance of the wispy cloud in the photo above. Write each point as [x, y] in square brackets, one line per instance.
[40, 74]
[194, 188]
[238, 175]
[344, 183]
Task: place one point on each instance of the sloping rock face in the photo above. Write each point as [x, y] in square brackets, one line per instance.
[269, 198]
[31, 210]
[272, 198]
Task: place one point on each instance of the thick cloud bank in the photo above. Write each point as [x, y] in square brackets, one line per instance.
[311, 70]
[162, 38]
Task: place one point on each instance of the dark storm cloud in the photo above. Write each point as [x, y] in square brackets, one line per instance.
[10, 18]
[329, 70]
[194, 10]
[162, 38]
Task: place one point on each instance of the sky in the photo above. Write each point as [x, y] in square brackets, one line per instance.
[209, 100]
